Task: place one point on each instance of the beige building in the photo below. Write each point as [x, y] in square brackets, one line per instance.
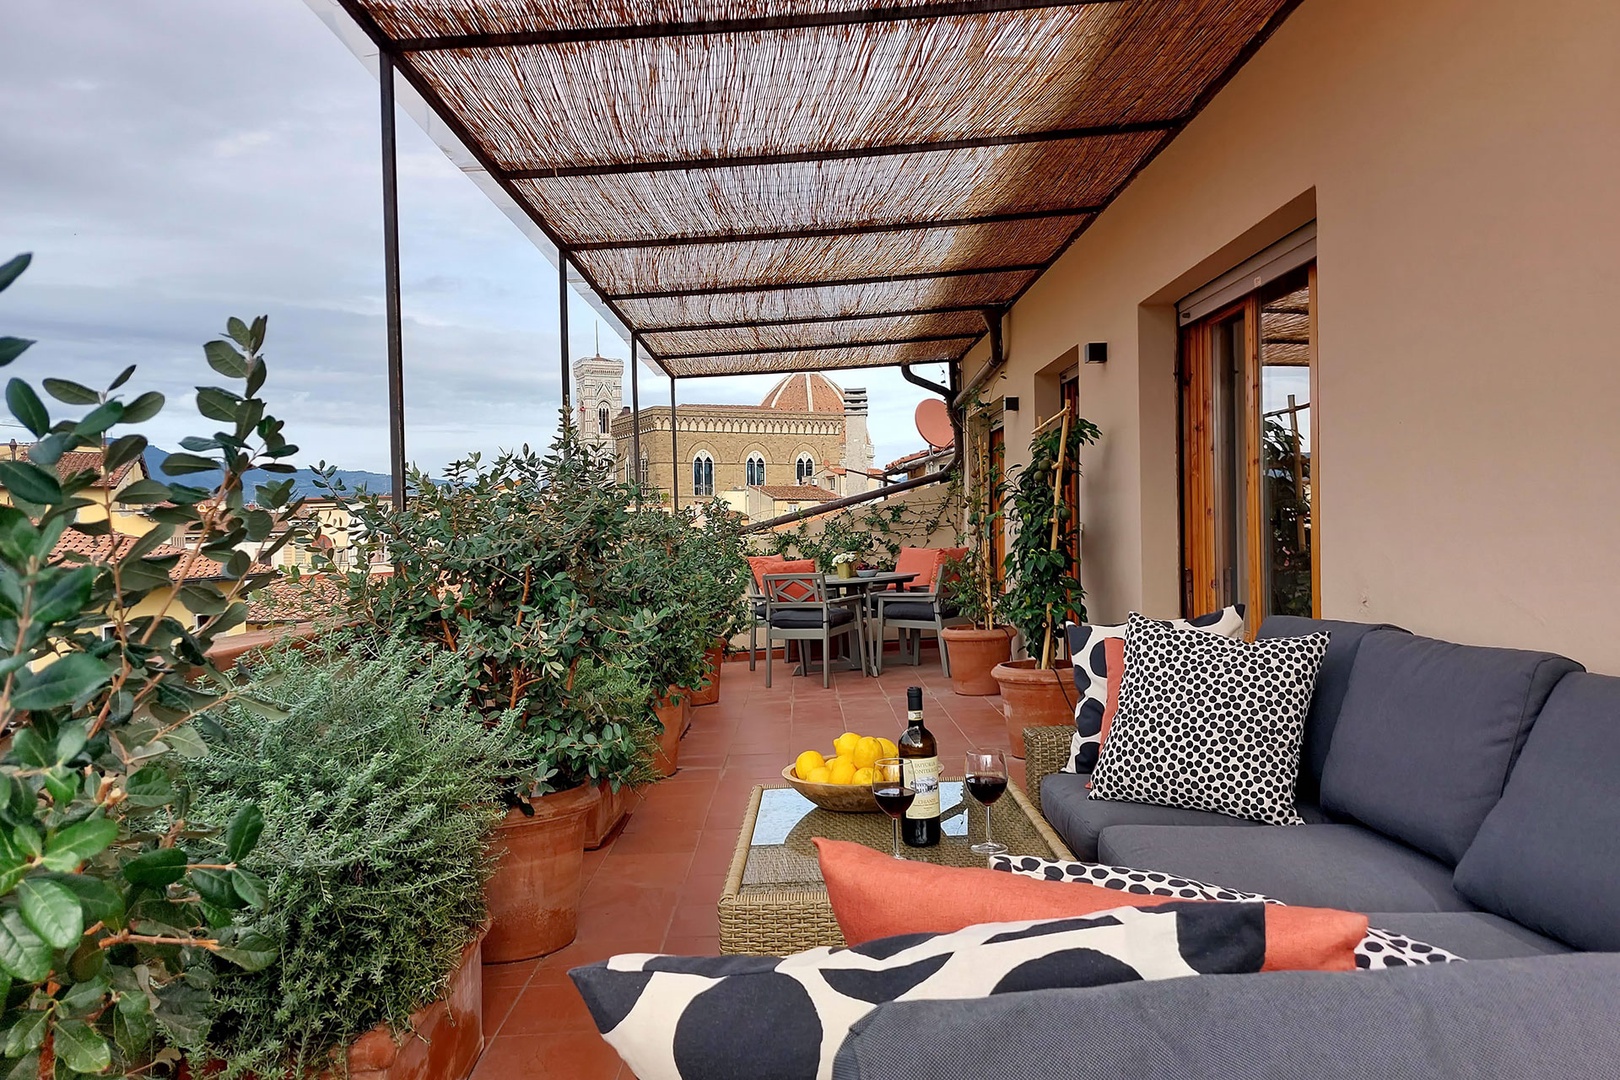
[1426, 196]
[807, 438]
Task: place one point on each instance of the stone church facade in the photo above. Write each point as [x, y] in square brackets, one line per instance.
[807, 432]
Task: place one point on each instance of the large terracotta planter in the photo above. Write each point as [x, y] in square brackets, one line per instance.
[711, 693]
[606, 813]
[1031, 697]
[673, 712]
[974, 653]
[445, 1038]
[534, 895]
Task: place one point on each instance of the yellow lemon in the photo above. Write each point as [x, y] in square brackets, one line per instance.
[808, 762]
[843, 773]
[889, 749]
[863, 777]
[845, 744]
[822, 775]
[830, 762]
[866, 752]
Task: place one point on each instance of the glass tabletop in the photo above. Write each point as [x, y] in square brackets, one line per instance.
[781, 853]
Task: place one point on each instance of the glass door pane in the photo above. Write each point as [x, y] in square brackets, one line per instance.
[1229, 429]
[1285, 420]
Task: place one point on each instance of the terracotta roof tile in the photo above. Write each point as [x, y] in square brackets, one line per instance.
[79, 461]
[796, 491]
[299, 599]
[806, 391]
[107, 548]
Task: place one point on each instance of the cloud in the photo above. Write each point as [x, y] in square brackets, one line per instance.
[175, 162]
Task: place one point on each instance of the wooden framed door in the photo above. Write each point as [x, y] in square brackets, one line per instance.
[1069, 392]
[1247, 375]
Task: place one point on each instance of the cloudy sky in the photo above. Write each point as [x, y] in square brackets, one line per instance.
[171, 163]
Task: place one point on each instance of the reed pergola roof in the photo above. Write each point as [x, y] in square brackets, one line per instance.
[782, 185]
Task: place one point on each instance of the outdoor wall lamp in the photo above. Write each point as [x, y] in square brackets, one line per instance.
[1097, 352]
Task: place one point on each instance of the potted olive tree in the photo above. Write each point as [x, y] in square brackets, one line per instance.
[512, 565]
[1042, 587]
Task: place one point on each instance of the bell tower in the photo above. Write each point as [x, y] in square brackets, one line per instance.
[598, 388]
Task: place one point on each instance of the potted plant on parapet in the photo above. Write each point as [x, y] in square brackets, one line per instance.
[973, 589]
[109, 928]
[378, 786]
[717, 576]
[510, 565]
[1042, 587]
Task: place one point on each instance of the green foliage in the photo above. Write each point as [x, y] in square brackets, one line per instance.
[108, 932]
[375, 786]
[875, 531]
[569, 606]
[1042, 588]
[1288, 513]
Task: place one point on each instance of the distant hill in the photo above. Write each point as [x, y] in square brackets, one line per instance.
[303, 480]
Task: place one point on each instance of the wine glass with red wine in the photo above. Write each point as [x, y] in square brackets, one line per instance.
[986, 779]
[894, 789]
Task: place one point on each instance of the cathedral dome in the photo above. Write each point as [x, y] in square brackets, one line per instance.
[805, 391]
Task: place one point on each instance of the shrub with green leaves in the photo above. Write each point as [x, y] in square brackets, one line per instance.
[1043, 587]
[108, 931]
[556, 593]
[378, 785]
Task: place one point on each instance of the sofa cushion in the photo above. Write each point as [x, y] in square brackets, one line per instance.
[730, 1017]
[1548, 855]
[1332, 680]
[1546, 1018]
[1478, 935]
[1343, 866]
[1428, 733]
[1080, 820]
[1210, 723]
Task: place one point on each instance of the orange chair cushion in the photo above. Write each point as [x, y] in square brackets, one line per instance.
[775, 564]
[874, 895]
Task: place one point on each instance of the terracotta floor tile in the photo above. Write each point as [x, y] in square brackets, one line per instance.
[653, 887]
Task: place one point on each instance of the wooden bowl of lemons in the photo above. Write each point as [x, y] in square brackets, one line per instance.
[843, 782]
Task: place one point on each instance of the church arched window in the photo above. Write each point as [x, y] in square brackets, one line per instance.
[804, 470]
[645, 470]
[602, 418]
[756, 469]
[703, 474]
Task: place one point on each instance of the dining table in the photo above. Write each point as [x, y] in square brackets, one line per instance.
[866, 584]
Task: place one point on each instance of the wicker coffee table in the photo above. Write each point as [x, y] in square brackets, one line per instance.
[775, 901]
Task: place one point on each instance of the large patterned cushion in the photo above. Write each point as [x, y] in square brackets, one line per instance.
[1378, 949]
[1099, 667]
[1210, 723]
[703, 1018]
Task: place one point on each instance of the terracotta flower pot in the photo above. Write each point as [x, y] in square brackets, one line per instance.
[711, 693]
[1031, 697]
[673, 712]
[973, 654]
[445, 1040]
[606, 813]
[534, 895]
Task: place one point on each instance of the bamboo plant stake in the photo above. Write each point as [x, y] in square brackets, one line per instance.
[1057, 492]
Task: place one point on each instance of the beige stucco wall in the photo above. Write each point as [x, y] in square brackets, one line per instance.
[1462, 161]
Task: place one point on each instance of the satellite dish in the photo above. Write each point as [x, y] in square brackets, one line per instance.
[934, 423]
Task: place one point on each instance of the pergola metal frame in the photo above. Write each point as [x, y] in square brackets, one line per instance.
[398, 54]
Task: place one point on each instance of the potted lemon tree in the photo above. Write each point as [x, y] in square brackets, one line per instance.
[1043, 587]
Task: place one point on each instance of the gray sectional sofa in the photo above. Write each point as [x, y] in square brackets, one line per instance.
[1465, 796]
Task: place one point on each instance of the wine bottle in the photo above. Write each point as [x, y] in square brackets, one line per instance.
[920, 826]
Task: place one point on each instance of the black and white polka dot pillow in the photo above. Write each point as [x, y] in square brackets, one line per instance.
[706, 1017]
[1210, 723]
[1090, 657]
[1379, 949]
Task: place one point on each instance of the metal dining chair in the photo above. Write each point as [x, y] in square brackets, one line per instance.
[914, 610]
[798, 607]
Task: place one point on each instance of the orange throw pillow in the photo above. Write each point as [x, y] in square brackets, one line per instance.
[775, 564]
[875, 896]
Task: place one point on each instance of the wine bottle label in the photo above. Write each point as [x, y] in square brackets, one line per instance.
[925, 778]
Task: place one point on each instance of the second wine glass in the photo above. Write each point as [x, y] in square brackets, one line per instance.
[986, 780]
